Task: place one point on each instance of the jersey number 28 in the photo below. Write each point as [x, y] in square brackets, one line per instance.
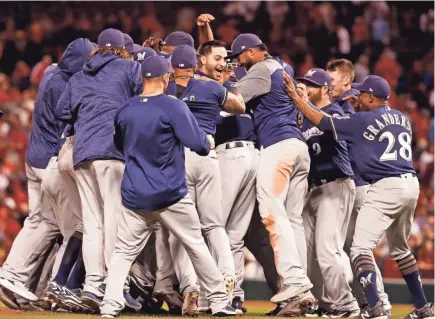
[405, 150]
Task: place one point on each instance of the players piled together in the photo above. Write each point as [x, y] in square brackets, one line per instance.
[158, 164]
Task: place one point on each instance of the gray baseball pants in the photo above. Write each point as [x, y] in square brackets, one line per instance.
[356, 287]
[135, 228]
[238, 168]
[281, 191]
[99, 185]
[37, 234]
[204, 184]
[326, 217]
[388, 207]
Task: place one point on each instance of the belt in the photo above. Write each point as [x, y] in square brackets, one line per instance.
[234, 144]
[323, 181]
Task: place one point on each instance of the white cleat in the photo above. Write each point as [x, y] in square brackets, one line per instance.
[288, 292]
[18, 288]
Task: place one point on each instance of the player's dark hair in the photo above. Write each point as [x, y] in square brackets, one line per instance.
[121, 52]
[206, 47]
[343, 65]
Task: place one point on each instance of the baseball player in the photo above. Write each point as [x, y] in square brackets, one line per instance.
[173, 40]
[90, 101]
[331, 186]
[379, 140]
[238, 161]
[283, 168]
[342, 73]
[44, 140]
[205, 99]
[154, 185]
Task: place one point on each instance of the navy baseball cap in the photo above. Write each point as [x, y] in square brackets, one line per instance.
[141, 53]
[244, 42]
[375, 85]
[111, 38]
[179, 38]
[155, 66]
[184, 57]
[128, 43]
[317, 76]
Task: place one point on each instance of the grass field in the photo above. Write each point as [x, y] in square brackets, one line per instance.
[256, 309]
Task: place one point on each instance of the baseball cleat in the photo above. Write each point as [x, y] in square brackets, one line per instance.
[298, 305]
[426, 312]
[288, 292]
[238, 306]
[91, 300]
[69, 299]
[377, 312]
[190, 304]
[110, 309]
[132, 303]
[364, 314]
[8, 299]
[315, 313]
[341, 314]
[18, 288]
[228, 311]
[229, 287]
[53, 291]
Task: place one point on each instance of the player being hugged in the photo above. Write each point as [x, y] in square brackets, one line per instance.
[151, 130]
[331, 185]
[379, 140]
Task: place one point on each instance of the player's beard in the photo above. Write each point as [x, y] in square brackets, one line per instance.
[211, 72]
[248, 64]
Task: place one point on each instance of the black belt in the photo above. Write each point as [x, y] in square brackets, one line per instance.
[323, 181]
[235, 144]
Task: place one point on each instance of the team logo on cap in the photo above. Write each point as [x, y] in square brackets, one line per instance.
[243, 46]
[141, 56]
[147, 74]
[310, 72]
[108, 44]
[370, 90]
[181, 65]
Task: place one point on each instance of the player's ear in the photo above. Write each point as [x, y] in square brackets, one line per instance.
[347, 80]
[202, 59]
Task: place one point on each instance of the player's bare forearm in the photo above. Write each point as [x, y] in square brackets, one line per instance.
[204, 28]
[313, 115]
[234, 103]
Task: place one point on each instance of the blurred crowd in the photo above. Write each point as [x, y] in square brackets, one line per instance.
[390, 39]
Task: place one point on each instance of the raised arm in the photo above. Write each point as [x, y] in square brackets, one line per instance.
[205, 31]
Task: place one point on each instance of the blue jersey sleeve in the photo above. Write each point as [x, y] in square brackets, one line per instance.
[343, 127]
[187, 130]
[221, 94]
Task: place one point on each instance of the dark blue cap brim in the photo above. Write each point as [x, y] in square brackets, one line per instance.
[359, 86]
[304, 79]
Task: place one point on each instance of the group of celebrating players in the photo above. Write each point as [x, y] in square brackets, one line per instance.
[157, 164]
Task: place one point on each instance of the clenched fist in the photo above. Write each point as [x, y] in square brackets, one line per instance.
[203, 19]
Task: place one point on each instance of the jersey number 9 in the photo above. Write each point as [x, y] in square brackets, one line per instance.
[317, 148]
[405, 150]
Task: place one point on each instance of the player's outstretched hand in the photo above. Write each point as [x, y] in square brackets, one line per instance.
[211, 140]
[354, 101]
[203, 19]
[301, 89]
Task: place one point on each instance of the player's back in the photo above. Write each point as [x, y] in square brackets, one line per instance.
[275, 115]
[380, 142]
[205, 100]
[154, 156]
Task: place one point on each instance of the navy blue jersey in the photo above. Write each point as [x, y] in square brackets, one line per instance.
[274, 113]
[231, 127]
[347, 107]
[379, 141]
[329, 158]
[151, 133]
[204, 99]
